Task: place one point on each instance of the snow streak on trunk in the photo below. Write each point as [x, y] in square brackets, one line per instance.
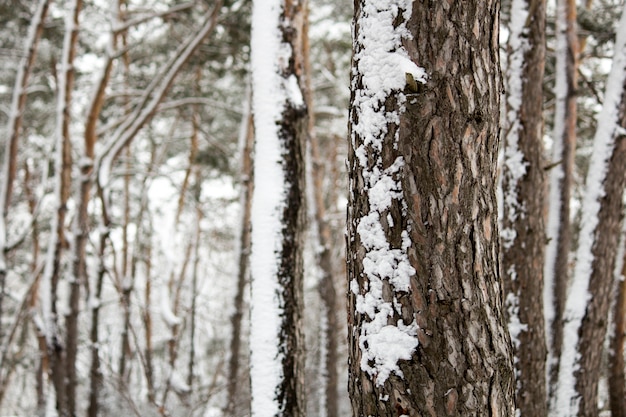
[523, 238]
[427, 332]
[278, 210]
[564, 143]
[586, 310]
[62, 353]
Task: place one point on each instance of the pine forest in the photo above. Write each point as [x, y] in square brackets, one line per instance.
[323, 208]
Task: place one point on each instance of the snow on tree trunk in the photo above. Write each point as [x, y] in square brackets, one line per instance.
[556, 269]
[427, 329]
[13, 132]
[61, 353]
[523, 235]
[278, 210]
[586, 309]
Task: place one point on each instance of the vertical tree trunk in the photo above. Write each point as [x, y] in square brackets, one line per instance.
[427, 329]
[617, 379]
[62, 353]
[323, 253]
[523, 234]
[556, 270]
[278, 210]
[14, 125]
[243, 269]
[79, 273]
[586, 310]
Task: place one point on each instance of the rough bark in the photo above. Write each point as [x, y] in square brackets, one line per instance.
[444, 203]
[557, 268]
[617, 379]
[594, 324]
[523, 184]
[282, 131]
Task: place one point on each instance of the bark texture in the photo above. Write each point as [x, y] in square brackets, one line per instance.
[561, 178]
[283, 208]
[604, 252]
[617, 379]
[523, 184]
[448, 139]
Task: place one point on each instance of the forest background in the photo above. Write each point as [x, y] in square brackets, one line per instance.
[126, 191]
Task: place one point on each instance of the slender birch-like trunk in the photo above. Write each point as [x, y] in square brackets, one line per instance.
[278, 210]
[586, 310]
[427, 327]
[523, 183]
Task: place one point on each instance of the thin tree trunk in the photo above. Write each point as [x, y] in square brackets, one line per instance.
[278, 210]
[523, 183]
[323, 255]
[427, 328]
[79, 272]
[586, 312]
[95, 301]
[617, 379]
[62, 353]
[194, 283]
[243, 269]
[14, 125]
[558, 232]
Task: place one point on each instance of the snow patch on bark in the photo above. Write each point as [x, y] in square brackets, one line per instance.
[514, 163]
[383, 66]
[272, 92]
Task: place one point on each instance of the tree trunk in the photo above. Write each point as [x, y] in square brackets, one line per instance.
[14, 125]
[278, 210]
[243, 270]
[617, 379]
[523, 234]
[586, 310]
[427, 329]
[558, 233]
[329, 326]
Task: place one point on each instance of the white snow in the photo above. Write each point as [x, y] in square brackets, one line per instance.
[166, 311]
[271, 93]
[567, 398]
[514, 163]
[383, 65]
[556, 176]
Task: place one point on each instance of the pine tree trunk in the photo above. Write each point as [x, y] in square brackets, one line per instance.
[523, 183]
[243, 270]
[557, 268]
[586, 310]
[278, 210]
[617, 379]
[427, 329]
